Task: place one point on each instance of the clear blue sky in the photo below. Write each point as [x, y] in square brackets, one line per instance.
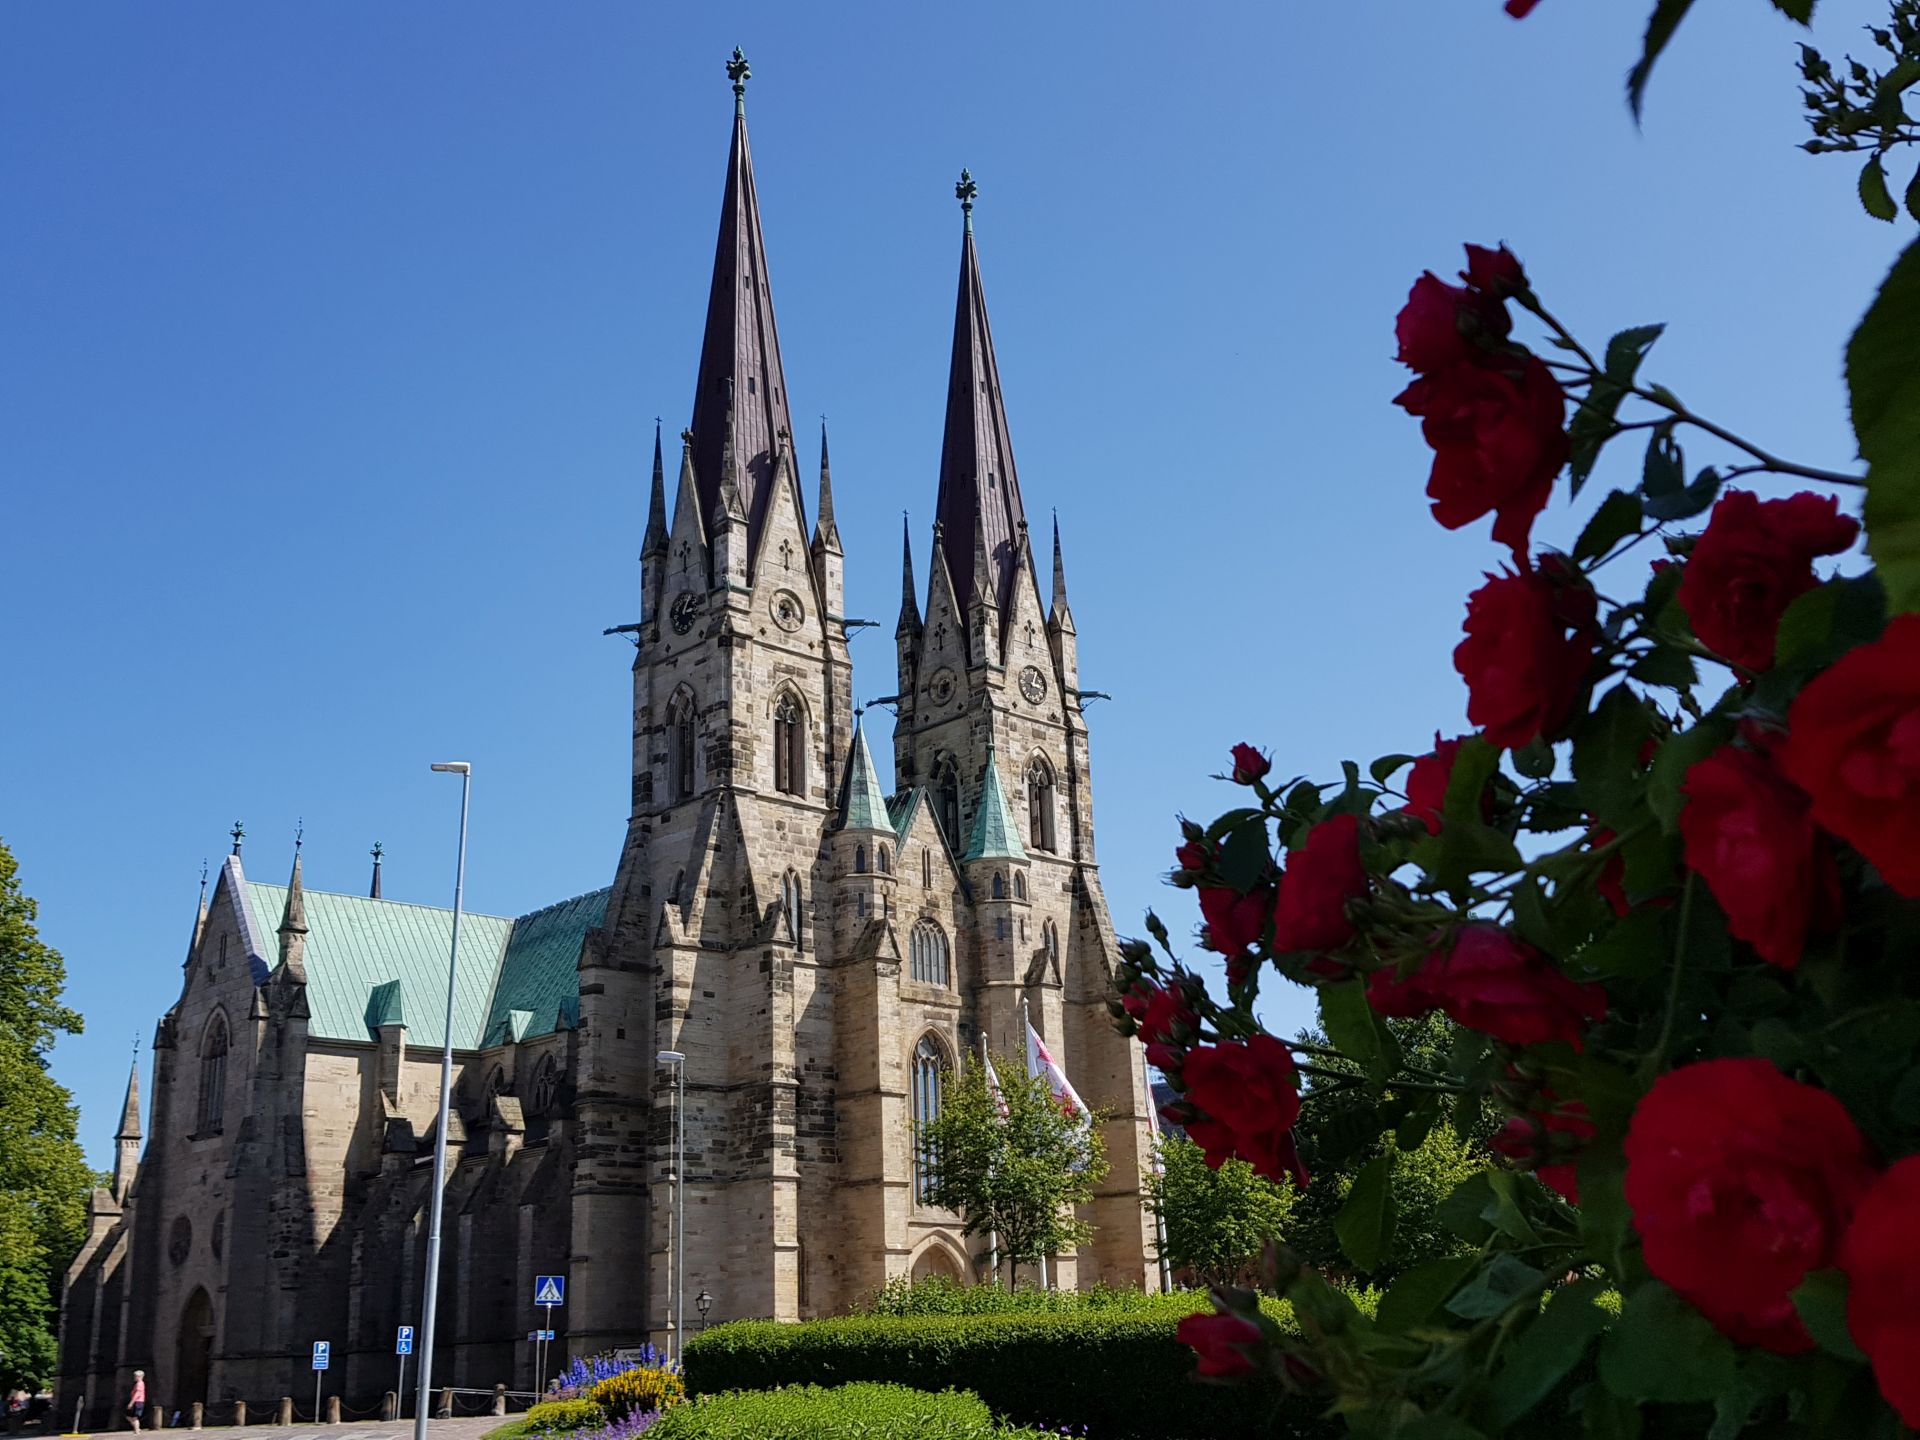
[331, 339]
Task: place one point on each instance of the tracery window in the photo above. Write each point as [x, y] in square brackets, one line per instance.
[790, 900]
[859, 859]
[680, 756]
[1019, 886]
[946, 796]
[929, 1070]
[1040, 805]
[999, 885]
[213, 1078]
[789, 747]
[882, 861]
[927, 954]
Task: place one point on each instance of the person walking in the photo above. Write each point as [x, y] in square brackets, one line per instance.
[137, 1400]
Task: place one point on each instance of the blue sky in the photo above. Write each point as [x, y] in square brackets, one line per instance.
[331, 339]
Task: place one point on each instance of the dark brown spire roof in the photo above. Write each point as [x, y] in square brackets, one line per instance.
[740, 356]
[976, 456]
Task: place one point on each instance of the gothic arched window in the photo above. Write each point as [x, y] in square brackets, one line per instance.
[999, 885]
[927, 954]
[213, 1077]
[946, 800]
[1050, 942]
[789, 746]
[926, 868]
[1019, 886]
[929, 1070]
[546, 1086]
[1040, 805]
[680, 755]
[790, 900]
[859, 859]
[881, 860]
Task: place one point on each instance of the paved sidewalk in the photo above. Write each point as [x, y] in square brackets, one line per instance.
[466, 1427]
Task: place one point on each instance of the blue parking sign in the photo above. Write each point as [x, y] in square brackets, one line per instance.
[403, 1341]
[322, 1354]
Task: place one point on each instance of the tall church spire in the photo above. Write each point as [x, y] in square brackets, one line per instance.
[293, 925]
[656, 540]
[741, 393]
[126, 1158]
[977, 478]
[826, 532]
[909, 602]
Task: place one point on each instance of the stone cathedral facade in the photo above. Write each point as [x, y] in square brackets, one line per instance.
[819, 947]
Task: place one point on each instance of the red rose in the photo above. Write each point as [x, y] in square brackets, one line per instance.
[1754, 559]
[1498, 438]
[1220, 1341]
[1740, 1182]
[1429, 326]
[1750, 835]
[1234, 921]
[1529, 1140]
[1165, 1018]
[1522, 666]
[1881, 1256]
[1250, 1099]
[1520, 9]
[1428, 780]
[1494, 272]
[1321, 877]
[1853, 744]
[1489, 980]
[1249, 765]
[1192, 857]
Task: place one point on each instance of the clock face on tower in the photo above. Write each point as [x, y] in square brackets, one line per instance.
[1033, 684]
[685, 607]
[941, 687]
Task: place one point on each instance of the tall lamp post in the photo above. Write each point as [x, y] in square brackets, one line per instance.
[678, 1322]
[424, 1395]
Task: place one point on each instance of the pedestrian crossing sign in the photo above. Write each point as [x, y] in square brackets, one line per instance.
[550, 1290]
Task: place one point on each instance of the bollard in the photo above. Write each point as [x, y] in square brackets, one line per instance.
[333, 1409]
[159, 1417]
[499, 1399]
[284, 1415]
[239, 1414]
[445, 1408]
[196, 1415]
[390, 1406]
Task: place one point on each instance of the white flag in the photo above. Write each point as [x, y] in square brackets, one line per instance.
[1040, 1061]
[993, 1087]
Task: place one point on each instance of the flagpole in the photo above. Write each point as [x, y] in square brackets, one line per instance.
[1026, 1019]
[993, 1236]
[1159, 1168]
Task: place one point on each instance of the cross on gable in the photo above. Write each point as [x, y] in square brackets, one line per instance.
[786, 554]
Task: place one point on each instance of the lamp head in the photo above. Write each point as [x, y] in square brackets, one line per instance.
[703, 1302]
[455, 767]
[671, 1057]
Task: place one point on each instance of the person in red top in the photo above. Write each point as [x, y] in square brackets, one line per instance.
[137, 1401]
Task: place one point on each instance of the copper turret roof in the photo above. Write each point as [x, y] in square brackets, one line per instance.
[740, 369]
[977, 476]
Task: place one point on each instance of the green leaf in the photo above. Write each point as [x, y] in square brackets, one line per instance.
[1633, 949]
[1666, 18]
[1593, 420]
[1663, 473]
[1244, 856]
[1821, 1301]
[1605, 1219]
[1627, 349]
[1534, 759]
[1356, 1031]
[1665, 666]
[1616, 519]
[1412, 1131]
[1387, 766]
[1364, 1225]
[1676, 755]
[1438, 1427]
[1801, 10]
[1913, 195]
[1608, 1417]
[1546, 1350]
[1883, 382]
[1423, 1289]
[1607, 777]
[1875, 198]
[1530, 916]
[1495, 1289]
[1829, 620]
[1464, 1210]
[1663, 1350]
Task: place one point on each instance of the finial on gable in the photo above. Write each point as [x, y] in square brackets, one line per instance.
[377, 851]
[299, 834]
[965, 192]
[239, 833]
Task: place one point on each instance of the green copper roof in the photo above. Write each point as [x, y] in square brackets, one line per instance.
[901, 808]
[864, 805]
[366, 959]
[995, 836]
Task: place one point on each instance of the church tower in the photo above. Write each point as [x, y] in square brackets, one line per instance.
[742, 723]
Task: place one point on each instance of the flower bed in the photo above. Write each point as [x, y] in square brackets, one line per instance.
[846, 1412]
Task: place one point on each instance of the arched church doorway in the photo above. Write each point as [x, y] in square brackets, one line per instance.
[934, 1260]
[193, 1351]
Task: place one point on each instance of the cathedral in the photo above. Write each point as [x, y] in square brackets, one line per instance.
[821, 950]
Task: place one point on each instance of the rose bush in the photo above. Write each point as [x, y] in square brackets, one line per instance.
[1668, 888]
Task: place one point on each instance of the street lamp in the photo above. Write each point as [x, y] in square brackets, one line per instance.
[703, 1302]
[424, 1395]
[678, 1061]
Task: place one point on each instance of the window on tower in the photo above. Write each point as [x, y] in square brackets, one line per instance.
[213, 1078]
[789, 746]
[1040, 805]
[929, 1071]
[680, 757]
[946, 799]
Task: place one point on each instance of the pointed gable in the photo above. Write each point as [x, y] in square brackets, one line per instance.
[740, 377]
[977, 477]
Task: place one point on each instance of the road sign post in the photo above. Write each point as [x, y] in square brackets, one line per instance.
[322, 1358]
[403, 1347]
[548, 1291]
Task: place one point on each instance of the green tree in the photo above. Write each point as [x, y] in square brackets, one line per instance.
[1016, 1177]
[44, 1177]
[1216, 1222]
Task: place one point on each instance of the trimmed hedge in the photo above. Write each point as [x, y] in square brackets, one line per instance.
[848, 1412]
[938, 1295]
[1124, 1376]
